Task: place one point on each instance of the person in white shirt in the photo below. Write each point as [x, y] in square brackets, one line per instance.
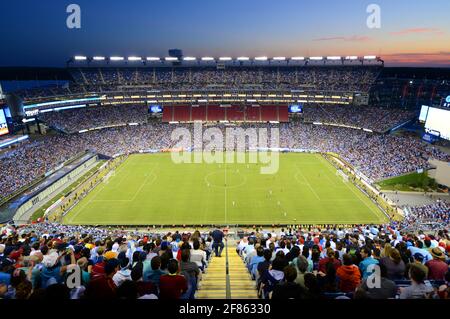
[198, 256]
[124, 273]
[242, 244]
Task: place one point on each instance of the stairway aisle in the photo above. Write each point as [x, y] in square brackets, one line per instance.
[213, 285]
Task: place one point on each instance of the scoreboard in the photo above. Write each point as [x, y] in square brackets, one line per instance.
[3, 124]
[437, 122]
[446, 101]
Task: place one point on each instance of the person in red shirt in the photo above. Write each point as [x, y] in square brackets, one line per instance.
[331, 258]
[348, 274]
[104, 287]
[437, 268]
[172, 285]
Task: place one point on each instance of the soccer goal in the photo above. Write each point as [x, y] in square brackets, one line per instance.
[343, 175]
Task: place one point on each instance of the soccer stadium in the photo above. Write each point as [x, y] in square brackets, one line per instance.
[229, 176]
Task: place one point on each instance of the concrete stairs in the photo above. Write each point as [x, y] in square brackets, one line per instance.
[213, 284]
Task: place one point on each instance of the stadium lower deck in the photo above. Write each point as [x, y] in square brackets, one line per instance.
[150, 189]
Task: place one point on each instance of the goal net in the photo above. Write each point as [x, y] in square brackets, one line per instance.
[341, 174]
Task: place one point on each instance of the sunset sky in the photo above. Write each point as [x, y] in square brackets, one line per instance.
[412, 33]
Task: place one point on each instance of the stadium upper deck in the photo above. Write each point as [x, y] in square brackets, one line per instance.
[255, 81]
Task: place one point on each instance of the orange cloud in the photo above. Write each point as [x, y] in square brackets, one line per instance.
[441, 58]
[417, 30]
[354, 38]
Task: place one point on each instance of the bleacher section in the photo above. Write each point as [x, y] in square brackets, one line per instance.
[232, 113]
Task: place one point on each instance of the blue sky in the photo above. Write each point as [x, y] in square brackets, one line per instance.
[414, 32]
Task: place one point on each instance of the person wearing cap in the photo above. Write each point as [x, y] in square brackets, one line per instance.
[418, 248]
[437, 267]
[52, 268]
[6, 267]
[99, 268]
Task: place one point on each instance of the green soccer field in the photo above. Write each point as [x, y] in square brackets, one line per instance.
[150, 189]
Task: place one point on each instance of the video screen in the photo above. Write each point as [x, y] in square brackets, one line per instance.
[296, 108]
[7, 112]
[3, 125]
[423, 113]
[155, 109]
[437, 122]
[446, 101]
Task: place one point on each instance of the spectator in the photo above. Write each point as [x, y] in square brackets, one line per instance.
[190, 271]
[330, 259]
[289, 289]
[198, 255]
[145, 290]
[172, 285]
[418, 289]
[273, 276]
[155, 273]
[348, 275]
[217, 245]
[366, 262]
[301, 265]
[386, 289]
[394, 264]
[255, 260]
[124, 273]
[437, 267]
[103, 287]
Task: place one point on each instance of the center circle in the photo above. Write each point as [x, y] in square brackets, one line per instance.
[222, 179]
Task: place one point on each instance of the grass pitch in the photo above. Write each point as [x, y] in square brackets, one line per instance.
[150, 189]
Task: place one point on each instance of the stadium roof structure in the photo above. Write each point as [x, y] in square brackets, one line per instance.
[82, 60]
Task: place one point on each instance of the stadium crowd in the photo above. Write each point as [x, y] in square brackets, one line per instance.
[89, 80]
[72, 121]
[435, 215]
[37, 262]
[342, 78]
[373, 118]
[376, 156]
[336, 262]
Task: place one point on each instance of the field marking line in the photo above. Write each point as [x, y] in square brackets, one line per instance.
[225, 170]
[364, 202]
[377, 213]
[92, 200]
[218, 171]
[332, 182]
[119, 169]
[248, 223]
[145, 182]
[205, 204]
[327, 165]
[298, 181]
[88, 202]
[307, 182]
